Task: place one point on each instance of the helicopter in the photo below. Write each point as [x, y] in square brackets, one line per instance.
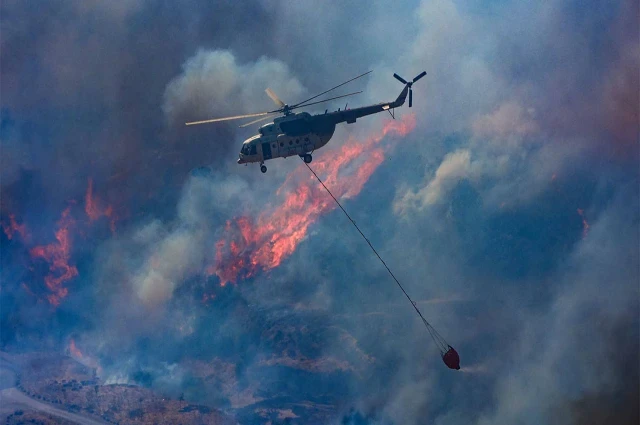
[302, 133]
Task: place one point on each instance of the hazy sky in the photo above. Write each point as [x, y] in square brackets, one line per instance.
[506, 201]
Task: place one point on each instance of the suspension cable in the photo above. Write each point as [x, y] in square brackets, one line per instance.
[438, 339]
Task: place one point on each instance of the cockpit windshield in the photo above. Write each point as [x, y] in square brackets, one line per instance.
[248, 149]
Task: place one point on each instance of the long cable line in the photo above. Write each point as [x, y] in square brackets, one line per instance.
[443, 346]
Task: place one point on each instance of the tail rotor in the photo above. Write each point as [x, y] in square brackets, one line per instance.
[399, 78]
[409, 84]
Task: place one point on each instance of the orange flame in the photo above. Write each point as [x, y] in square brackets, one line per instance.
[13, 227]
[585, 224]
[75, 352]
[57, 255]
[93, 210]
[252, 245]
[85, 359]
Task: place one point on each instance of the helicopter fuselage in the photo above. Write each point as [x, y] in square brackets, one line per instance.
[293, 134]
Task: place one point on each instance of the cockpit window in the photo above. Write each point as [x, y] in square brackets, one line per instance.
[249, 149]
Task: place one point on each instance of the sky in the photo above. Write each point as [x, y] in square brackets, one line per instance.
[506, 201]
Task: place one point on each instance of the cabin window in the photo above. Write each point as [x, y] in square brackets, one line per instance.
[297, 141]
[290, 142]
[281, 144]
[253, 150]
[306, 139]
[273, 146]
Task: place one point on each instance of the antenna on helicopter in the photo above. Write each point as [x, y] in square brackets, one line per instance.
[410, 83]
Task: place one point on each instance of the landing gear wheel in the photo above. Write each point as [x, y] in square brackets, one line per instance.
[307, 158]
[263, 168]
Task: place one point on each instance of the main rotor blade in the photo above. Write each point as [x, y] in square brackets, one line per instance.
[326, 100]
[422, 74]
[255, 121]
[275, 98]
[399, 78]
[237, 117]
[324, 92]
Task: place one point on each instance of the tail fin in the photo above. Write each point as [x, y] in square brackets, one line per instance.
[401, 98]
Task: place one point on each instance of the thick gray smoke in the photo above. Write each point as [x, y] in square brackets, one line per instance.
[213, 84]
